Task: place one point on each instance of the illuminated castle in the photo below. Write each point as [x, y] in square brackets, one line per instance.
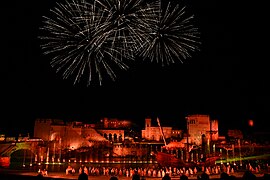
[153, 133]
[199, 126]
[76, 134]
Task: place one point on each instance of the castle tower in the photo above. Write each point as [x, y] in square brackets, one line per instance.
[197, 126]
[42, 129]
[147, 127]
[106, 122]
[147, 123]
[214, 130]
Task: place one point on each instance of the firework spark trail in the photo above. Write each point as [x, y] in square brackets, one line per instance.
[97, 36]
[171, 36]
[128, 18]
[75, 37]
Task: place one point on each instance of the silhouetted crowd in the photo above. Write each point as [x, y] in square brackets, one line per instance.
[165, 173]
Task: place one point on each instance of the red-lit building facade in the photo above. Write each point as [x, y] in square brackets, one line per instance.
[199, 126]
[77, 134]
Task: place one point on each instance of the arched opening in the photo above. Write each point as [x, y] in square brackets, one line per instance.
[105, 135]
[110, 137]
[114, 137]
[21, 158]
[120, 138]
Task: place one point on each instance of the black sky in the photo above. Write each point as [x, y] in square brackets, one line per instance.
[227, 79]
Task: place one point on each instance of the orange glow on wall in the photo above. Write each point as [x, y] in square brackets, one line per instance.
[4, 162]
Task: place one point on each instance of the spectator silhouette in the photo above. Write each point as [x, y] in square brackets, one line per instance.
[166, 177]
[183, 177]
[203, 176]
[83, 176]
[266, 176]
[248, 175]
[224, 176]
[136, 176]
[39, 176]
[113, 178]
[232, 177]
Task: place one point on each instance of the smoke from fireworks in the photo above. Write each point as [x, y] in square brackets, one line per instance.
[94, 38]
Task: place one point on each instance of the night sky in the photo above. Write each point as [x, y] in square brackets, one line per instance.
[227, 79]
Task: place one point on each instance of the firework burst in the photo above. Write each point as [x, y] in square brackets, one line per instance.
[170, 37]
[93, 38]
[127, 20]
